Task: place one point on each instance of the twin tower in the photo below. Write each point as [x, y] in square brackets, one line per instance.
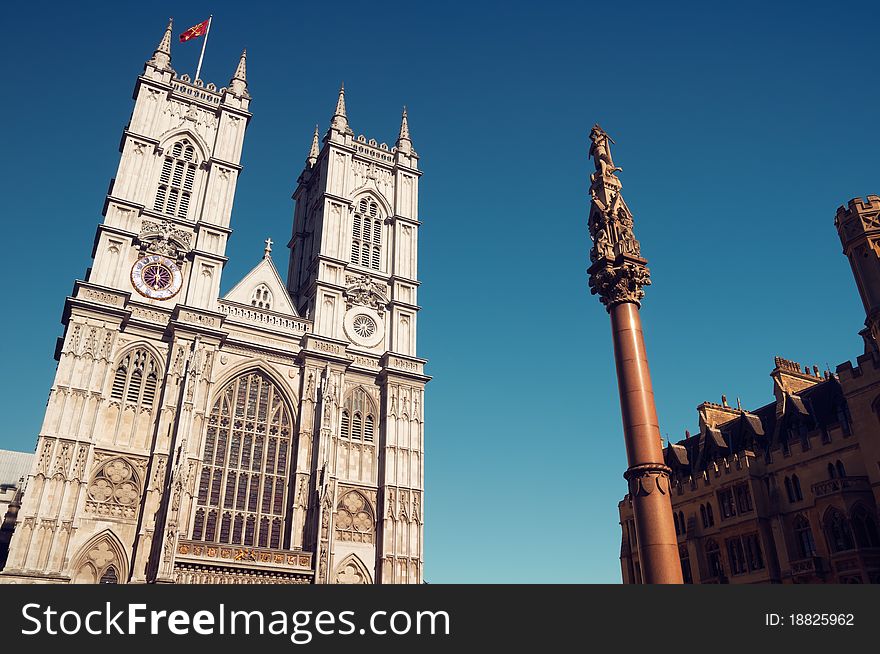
[271, 435]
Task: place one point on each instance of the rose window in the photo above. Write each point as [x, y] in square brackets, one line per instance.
[364, 326]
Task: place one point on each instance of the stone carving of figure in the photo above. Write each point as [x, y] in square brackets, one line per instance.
[600, 150]
[604, 247]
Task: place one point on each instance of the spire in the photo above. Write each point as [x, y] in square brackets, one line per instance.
[404, 143]
[161, 58]
[313, 153]
[238, 83]
[339, 121]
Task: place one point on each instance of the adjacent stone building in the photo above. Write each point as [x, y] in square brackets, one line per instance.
[788, 492]
[274, 434]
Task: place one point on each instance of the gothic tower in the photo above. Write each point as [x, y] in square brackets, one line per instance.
[353, 271]
[273, 434]
[858, 225]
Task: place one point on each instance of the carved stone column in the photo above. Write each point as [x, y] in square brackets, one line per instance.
[617, 275]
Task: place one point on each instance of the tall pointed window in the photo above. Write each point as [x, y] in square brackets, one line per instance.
[366, 235]
[865, 528]
[803, 535]
[176, 180]
[136, 379]
[358, 418]
[713, 560]
[838, 531]
[242, 493]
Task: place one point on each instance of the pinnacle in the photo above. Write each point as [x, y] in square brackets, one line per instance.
[404, 143]
[314, 151]
[339, 121]
[404, 127]
[161, 58]
[340, 102]
[165, 43]
[241, 70]
[238, 83]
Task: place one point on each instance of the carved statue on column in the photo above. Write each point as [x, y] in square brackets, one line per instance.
[617, 275]
[618, 272]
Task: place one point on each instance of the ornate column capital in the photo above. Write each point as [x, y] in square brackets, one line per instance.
[619, 280]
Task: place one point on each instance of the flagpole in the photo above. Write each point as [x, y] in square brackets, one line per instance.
[204, 43]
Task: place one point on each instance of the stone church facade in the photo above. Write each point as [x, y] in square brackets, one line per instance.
[271, 435]
[788, 492]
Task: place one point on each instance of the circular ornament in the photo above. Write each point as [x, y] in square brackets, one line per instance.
[156, 277]
[363, 326]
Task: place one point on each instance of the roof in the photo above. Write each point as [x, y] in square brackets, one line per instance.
[816, 407]
[14, 466]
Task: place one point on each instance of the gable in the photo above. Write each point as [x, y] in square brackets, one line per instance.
[262, 288]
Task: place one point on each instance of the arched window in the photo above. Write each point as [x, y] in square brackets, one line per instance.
[675, 522]
[736, 556]
[710, 515]
[838, 531]
[713, 559]
[682, 523]
[841, 471]
[176, 180]
[843, 418]
[261, 297]
[242, 493]
[803, 535]
[366, 235]
[831, 472]
[109, 576]
[358, 418]
[685, 564]
[789, 490]
[136, 378]
[864, 528]
[796, 487]
[703, 516]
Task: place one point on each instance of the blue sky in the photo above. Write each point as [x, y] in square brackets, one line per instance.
[740, 130]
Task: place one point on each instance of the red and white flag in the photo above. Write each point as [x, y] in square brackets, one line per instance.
[195, 31]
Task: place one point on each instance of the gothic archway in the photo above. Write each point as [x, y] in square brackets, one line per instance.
[101, 560]
[352, 571]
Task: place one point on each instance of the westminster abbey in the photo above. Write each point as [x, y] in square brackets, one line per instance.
[270, 435]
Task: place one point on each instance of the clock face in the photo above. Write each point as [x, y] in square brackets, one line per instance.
[156, 277]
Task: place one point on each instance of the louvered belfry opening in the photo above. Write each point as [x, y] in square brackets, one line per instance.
[242, 492]
[176, 180]
[366, 235]
[358, 421]
[135, 379]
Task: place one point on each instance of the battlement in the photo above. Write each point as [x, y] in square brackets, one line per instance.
[857, 206]
[197, 89]
[371, 148]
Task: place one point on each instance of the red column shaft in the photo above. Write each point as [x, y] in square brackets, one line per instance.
[648, 476]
